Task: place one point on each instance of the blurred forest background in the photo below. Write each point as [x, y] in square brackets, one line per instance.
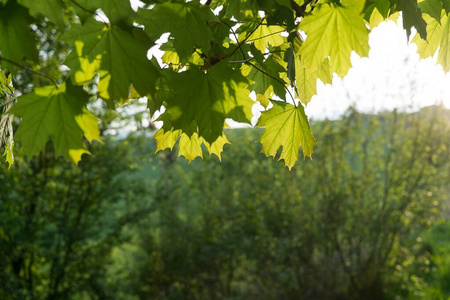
[367, 218]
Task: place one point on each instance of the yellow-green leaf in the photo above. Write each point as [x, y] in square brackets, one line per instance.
[58, 113]
[216, 147]
[286, 126]
[333, 31]
[265, 35]
[166, 138]
[118, 56]
[190, 147]
[438, 37]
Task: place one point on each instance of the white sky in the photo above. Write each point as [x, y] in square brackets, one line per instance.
[391, 77]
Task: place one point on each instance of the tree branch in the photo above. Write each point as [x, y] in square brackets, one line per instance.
[300, 9]
[30, 70]
[274, 78]
[246, 38]
[89, 11]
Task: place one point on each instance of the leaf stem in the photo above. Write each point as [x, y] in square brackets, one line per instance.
[90, 11]
[30, 70]
[246, 38]
[236, 37]
[274, 78]
[267, 35]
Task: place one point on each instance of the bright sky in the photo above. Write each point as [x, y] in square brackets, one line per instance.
[391, 77]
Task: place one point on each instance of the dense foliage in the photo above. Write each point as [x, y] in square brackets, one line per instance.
[64, 54]
[129, 224]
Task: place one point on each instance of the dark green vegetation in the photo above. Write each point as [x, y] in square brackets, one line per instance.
[367, 218]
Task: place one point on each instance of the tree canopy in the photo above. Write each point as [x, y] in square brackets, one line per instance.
[62, 55]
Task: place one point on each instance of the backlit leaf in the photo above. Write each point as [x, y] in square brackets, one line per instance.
[16, 39]
[438, 37]
[333, 31]
[58, 113]
[286, 126]
[117, 11]
[204, 100]
[186, 22]
[190, 147]
[52, 9]
[118, 56]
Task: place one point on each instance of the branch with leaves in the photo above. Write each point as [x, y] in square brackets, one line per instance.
[216, 55]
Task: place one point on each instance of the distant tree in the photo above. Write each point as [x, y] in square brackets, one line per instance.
[59, 223]
[343, 226]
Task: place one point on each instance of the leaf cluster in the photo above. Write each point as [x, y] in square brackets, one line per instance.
[216, 53]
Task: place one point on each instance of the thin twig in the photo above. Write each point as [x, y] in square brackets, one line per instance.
[267, 35]
[236, 37]
[246, 38]
[274, 51]
[241, 61]
[274, 78]
[90, 11]
[30, 70]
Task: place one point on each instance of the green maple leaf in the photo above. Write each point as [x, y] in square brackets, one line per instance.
[286, 126]
[202, 100]
[16, 39]
[446, 5]
[438, 37]
[186, 22]
[52, 9]
[382, 6]
[117, 11]
[263, 85]
[118, 56]
[432, 7]
[333, 31]
[58, 113]
[412, 17]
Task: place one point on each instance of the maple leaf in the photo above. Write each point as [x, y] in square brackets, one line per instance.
[52, 9]
[306, 79]
[16, 39]
[286, 126]
[333, 31]
[9, 153]
[118, 56]
[58, 113]
[412, 17]
[166, 138]
[203, 100]
[117, 11]
[382, 6]
[190, 147]
[432, 8]
[217, 146]
[265, 36]
[438, 37]
[186, 22]
[262, 84]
